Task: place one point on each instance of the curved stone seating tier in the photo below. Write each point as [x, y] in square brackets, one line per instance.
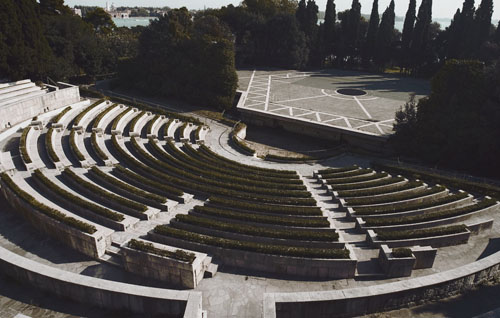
[185, 135]
[139, 125]
[154, 129]
[314, 268]
[93, 245]
[358, 171]
[96, 195]
[171, 128]
[200, 134]
[434, 241]
[403, 203]
[14, 86]
[122, 188]
[57, 146]
[388, 194]
[31, 158]
[66, 119]
[252, 238]
[450, 205]
[79, 142]
[100, 292]
[118, 124]
[364, 184]
[17, 96]
[90, 115]
[388, 187]
[127, 222]
[112, 112]
[101, 143]
[352, 179]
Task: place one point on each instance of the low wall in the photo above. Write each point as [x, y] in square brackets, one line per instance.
[435, 241]
[365, 300]
[395, 266]
[93, 245]
[100, 292]
[26, 109]
[281, 265]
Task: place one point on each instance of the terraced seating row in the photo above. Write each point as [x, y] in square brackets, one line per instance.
[83, 119]
[119, 122]
[102, 120]
[16, 92]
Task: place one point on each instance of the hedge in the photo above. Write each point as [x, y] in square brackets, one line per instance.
[50, 212]
[271, 157]
[431, 216]
[266, 208]
[134, 121]
[180, 130]
[266, 219]
[150, 196]
[197, 132]
[208, 172]
[149, 248]
[350, 173]
[242, 145]
[356, 179]
[368, 191]
[396, 196]
[77, 200]
[105, 194]
[98, 149]
[50, 148]
[22, 145]
[274, 172]
[169, 169]
[57, 118]
[451, 182]
[101, 115]
[410, 207]
[83, 113]
[337, 170]
[167, 125]
[194, 159]
[73, 146]
[402, 252]
[149, 126]
[252, 246]
[117, 118]
[367, 184]
[422, 233]
[291, 234]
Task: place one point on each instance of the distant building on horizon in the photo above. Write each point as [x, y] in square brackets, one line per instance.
[77, 11]
[115, 13]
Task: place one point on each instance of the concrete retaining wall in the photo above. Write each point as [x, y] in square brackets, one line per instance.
[435, 241]
[281, 265]
[18, 112]
[395, 266]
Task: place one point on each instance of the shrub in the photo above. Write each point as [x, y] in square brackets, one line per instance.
[98, 149]
[149, 248]
[345, 174]
[426, 217]
[356, 179]
[135, 120]
[292, 234]
[117, 118]
[74, 147]
[422, 233]
[163, 188]
[50, 148]
[76, 122]
[104, 194]
[181, 129]
[50, 212]
[408, 195]
[252, 246]
[149, 126]
[367, 184]
[77, 200]
[266, 208]
[57, 118]
[104, 176]
[452, 182]
[337, 170]
[401, 252]
[167, 125]
[101, 115]
[23, 147]
[377, 191]
[410, 207]
[267, 219]
[242, 145]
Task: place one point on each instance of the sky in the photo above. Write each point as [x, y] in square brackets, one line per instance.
[441, 8]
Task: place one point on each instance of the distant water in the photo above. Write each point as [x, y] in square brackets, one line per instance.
[133, 21]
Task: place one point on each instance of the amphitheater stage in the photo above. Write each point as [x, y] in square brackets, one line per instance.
[338, 103]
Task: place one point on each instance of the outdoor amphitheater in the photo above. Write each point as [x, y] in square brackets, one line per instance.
[137, 211]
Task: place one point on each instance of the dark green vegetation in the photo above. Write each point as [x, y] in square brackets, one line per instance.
[50, 212]
[74, 148]
[457, 125]
[97, 149]
[424, 233]
[377, 191]
[57, 118]
[407, 195]
[251, 246]
[266, 208]
[402, 252]
[22, 145]
[77, 119]
[50, 147]
[149, 248]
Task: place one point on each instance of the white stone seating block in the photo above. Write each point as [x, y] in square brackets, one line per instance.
[187, 132]
[156, 127]
[102, 144]
[17, 87]
[172, 128]
[19, 98]
[11, 84]
[203, 134]
[75, 110]
[88, 117]
[18, 90]
[6, 163]
[108, 118]
[122, 123]
[80, 144]
[32, 149]
[140, 124]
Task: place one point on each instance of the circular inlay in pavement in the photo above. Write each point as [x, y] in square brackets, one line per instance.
[351, 92]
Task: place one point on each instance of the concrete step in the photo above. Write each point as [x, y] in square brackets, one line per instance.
[113, 251]
[211, 270]
[112, 260]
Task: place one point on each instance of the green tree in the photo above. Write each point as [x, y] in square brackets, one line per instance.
[409, 25]
[483, 22]
[497, 33]
[329, 35]
[371, 36]
[53, 7]
[405, 127]
[421, 44]
[101, 21]
[384, 37]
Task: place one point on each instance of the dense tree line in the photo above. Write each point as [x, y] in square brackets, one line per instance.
[192, 59]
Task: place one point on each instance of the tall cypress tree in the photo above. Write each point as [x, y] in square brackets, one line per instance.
[371, 35]
[409, 25]
[483, 22]
[466, 30]
[384, 36]
[329, 27]
[311, 25]
[453, 34]
[497, 34]
[352, 32]
[420, 45]
[301, 14]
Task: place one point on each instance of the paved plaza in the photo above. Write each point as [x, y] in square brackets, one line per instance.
[315, 97]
